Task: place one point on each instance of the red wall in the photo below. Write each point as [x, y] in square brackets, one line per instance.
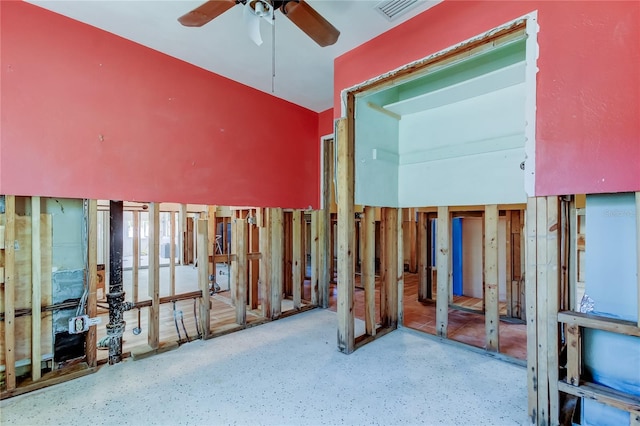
[88, 114]
[588, 85]
[325, 122]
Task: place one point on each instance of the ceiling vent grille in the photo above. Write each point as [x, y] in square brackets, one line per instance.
[391, 9]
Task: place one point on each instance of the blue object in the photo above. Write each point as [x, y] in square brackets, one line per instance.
[456, 254]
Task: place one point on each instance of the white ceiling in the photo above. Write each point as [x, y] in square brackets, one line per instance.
[303, 70]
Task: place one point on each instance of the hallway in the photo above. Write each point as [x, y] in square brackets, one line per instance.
[288, 372]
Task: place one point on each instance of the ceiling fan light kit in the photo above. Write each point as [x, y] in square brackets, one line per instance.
[299, 12]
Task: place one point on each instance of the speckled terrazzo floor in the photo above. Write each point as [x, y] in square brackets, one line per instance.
[288, 372]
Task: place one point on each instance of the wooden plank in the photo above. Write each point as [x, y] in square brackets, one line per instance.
[136, 255]
[287, 261]
[553, 229]
[241, 285]
[346, 229]
[265, 263]
[153, 337]
[172, 252]
[638, 250]
[604, 395]
[182, 218]
[542, 308]
[596, 322]
[254, 266]
[509, 263]
[423, 263]
[36, 290]
[323, 258]
[399, 280]
[368, 269]
[531, 299]
[443, 266]
[573, 354]
[315, 266]
[389, 290]
[203, 277]
[9, 293]
[492, 306]
[296, 223]
[277, 248]
[92, 265]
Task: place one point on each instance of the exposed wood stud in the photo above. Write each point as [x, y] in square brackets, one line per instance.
[315, 266]
[368, 269]
[203, 278]
[36, 290]
[389, 290]
[638, 252]
[492, 307]
[172, 252]
[135, 267]
[297, 258]
[265, 262]
[443, 266]
[553, 229]
[325, 274]
[542, 308]
[182, 218]
[346, 229]
[423, 264]
[277, 251]
[509, 263]
[92, 264]
[531, 298]
[573, 354]
[240, 229]
[153, 338]
[254, 267]
[399, 282]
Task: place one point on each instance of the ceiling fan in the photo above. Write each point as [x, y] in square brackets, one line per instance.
[298, 11]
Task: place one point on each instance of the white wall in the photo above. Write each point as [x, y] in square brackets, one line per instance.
[472, 245]
[463, 153]
[376, 153]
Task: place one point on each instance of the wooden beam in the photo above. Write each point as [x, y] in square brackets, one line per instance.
[92, 265]
[531, 281]
[542, 308]
[10, 282]
[638, 252]
[605, 395]
[277, 252]
[241, 285]
[136, 255]
[153, 338]
[203, 278]
[553, 229]
[296, 223]
[265, 263]
[36, 290]
[172, 252]
[368, 268]
[492, 306]
[612, 325]
[346, 229]
[573, 355]
[182, 218]
[384, 111]
[509, 263]
[443, 266]
[423, 264]
[315, 264]
[254, 266]
[399, 280]
[389, 290]
[323, 257]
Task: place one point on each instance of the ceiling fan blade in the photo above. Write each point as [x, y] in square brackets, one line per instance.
[252, 22]
[206, 12]
[310, 22]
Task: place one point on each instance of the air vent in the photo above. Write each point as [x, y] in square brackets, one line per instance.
[391, 9]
